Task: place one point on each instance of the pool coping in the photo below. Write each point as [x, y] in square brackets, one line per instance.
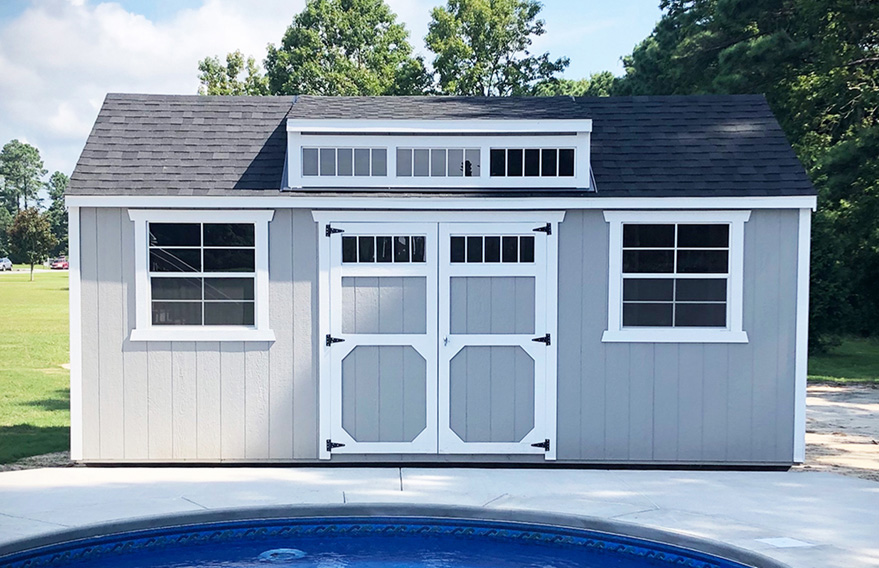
[446, 512]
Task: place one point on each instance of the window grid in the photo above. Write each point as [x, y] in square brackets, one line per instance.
[384, 249]
[356, 162]
[469, 165]
[546, 167]
[675, 276]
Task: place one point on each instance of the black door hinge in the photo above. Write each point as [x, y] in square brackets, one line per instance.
[331, 444]
[545, 229]
[544, 444]
[545, 339]
[331, 340]
[330, 230]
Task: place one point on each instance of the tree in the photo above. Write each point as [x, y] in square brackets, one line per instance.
[57, 212]
[482, 47]
[597, 85]
[345, 47]
[22, 170]
[30, 237]
[237, 77]
[5, 221]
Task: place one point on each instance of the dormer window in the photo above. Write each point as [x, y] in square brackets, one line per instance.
[532, 162]
[438, 162]
[326, 162]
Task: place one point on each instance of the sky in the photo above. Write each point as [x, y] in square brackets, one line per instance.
[59, 58]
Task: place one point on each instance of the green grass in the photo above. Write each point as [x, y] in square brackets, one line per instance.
[34, 388]
[856, 360]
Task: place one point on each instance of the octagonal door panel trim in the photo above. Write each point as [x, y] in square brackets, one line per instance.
[382, 296]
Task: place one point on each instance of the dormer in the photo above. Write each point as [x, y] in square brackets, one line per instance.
[438, 154]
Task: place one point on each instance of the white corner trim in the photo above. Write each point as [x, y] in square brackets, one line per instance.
[418, 126]
[804, 240]
[674, 335]
[75, 297]
[214, 333]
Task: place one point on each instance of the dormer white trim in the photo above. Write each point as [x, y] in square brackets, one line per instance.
[478, 126]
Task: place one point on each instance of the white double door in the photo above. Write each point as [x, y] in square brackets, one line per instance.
[439, 339]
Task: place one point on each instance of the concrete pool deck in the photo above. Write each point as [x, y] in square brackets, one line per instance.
[805, 519]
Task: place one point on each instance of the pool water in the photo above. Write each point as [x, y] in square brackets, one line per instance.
[364, 543]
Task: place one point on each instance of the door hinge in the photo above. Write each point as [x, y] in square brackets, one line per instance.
[330, 230]
[545, 229]
[331, 340]
[331, 444]
[544, 444]
[545, 339]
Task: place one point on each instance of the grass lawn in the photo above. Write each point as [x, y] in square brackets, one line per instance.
[34, 388]
[856, 360]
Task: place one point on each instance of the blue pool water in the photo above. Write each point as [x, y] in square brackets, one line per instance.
[367, 542]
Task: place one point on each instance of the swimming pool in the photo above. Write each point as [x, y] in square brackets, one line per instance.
[360, 538]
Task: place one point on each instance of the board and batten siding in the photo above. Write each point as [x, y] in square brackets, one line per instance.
[258, 401]
[197, 401]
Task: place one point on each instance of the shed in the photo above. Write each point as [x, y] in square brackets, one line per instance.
[549, 280]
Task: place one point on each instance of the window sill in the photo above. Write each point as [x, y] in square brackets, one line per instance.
[170, 333]
[659, 335]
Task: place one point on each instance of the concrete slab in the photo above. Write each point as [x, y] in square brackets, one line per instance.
[835, 518]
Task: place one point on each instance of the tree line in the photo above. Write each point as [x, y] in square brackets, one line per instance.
[816, 61]
[29, 232]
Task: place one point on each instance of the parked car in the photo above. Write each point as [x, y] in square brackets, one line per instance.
[59, 264]
[5, 264]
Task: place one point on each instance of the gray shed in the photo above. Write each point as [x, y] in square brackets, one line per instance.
[433, 279]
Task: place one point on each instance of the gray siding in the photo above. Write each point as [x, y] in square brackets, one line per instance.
[647, 403]
[709, 403]
[492, 304]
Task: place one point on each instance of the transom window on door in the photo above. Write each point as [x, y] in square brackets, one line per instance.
[488, 249]
[202, 273]
[383, 249]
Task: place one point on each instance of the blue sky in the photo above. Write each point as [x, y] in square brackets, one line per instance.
[59, 58]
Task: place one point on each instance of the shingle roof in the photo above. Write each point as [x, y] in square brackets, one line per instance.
[641, 146]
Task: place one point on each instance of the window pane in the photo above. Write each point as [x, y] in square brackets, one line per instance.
[532, 163]
[228, 313]
[422, 163]
[229, 235]
[401, 249]
[472, 163]
[647, 289]
[379, 162]
[361, 161]
[474, 249]
[514, 162]
[175, 234]
[549, 162]
[700, 315]
[383, 251]
[229, 260]
[176, 313]
[438, 163]
[309, 161]
[367, 249]
[346, 162]
[566, 163]
[649, 236]
[404, 162]
[643, 261]
[510, 249]
[349, 249]
[492, 249]
[228, 288]
[498, 166]
[647, 315]
[700, 290]
[175, 288]
[456, 163]
[703, 236]
[457, 249]
[418, 249]
[526, 249]
[327, 161]
[175, 260]
[702, 261]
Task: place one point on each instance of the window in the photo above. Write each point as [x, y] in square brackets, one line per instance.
[438, 162]
[201, 275]
[383, 249]
[532, 162]
[344, 162]
[489, 249]
[676, 276]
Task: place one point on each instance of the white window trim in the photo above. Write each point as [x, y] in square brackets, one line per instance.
[145, 331]
[732, 334]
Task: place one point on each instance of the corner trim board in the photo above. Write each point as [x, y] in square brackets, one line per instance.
[801, 364]
[75, 298]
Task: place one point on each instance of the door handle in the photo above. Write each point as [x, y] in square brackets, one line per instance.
[446, 341]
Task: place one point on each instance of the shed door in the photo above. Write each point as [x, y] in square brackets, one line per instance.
[383, 309]
[493, 330]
